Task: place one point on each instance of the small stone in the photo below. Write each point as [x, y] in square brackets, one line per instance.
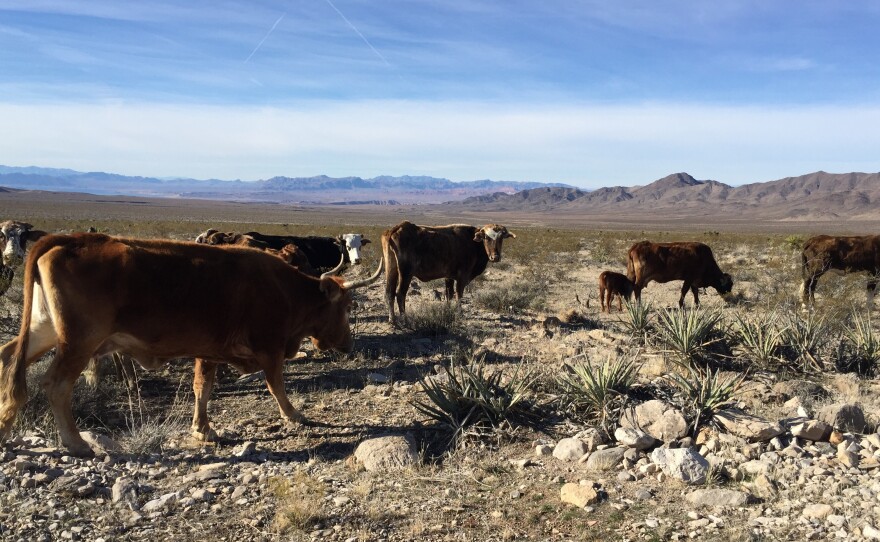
[578, 495]
[633, 438]
[817, 511]
[570, 449]
[543, 450]
[682, 463]
[605, 459]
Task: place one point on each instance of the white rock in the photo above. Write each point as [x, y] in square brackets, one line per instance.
[570, 449]
[633, 437]
[682, 464]
[387, 453]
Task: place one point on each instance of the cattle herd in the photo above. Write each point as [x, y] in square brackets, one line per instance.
[90, 294]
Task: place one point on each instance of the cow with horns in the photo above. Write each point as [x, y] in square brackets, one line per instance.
[86, 295]
[457, 253]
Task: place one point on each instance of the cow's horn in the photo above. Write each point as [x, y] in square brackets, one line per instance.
[335, 269]
[352, 284]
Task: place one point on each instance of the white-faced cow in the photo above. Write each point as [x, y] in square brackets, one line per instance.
[322, 252]
[613, 284]
[457, 253]
[14, 236]
[690, 262]
[87, 295]
[852, 254]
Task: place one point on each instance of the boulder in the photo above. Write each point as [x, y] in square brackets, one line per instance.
[657, 419]
[750, 427]
[387, 453]
[845, 417]
[570, 449]
[633, 437]
[812, 430]
[605, 459]
[682, 464]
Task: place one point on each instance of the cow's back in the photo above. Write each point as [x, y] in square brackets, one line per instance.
[664, 262]
[434, 252]
[856, 253]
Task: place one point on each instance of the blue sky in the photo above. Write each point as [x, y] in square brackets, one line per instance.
[590, 93]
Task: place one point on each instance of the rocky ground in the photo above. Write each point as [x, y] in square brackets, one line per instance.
[794, 457]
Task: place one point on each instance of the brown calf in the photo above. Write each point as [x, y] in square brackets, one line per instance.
[614, 284]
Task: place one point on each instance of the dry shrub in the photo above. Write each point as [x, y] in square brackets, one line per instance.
[434, 319]
[299, 501]
[511, 296]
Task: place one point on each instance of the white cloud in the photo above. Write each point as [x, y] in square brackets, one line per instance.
[587, 145]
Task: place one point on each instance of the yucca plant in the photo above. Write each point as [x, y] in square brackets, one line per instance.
[637, 320]
[761, 338]
[805, 335]
[864, 344]
[599, 392]
[473, 396]
[687, 334]
[702, 392]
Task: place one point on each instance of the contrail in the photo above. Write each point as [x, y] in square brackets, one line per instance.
[370, 45]
[269, 33]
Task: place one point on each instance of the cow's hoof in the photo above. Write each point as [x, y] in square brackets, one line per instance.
[296, 420]
[205, 436]
[80, 450]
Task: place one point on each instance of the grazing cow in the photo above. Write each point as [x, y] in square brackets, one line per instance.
[90, 294]
[14, 236]
[297, 258]
[852, 254]
[457, 253]
[614, 284]
[692, 263]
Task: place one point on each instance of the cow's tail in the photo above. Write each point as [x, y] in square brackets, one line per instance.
[630, 267]
[13, 368]
[391, 254]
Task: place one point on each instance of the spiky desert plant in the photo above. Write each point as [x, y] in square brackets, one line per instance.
[470, 395]
[701, 392]
[599, 392]
[637, 320]
[761, 338]
[687, 334]
[805, 335]
[864, 344]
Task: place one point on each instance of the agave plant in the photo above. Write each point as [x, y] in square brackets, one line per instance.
[805, 336]
[702, 392]
[688, 334]
[473, 396]
[761, 337]
[864, 344]
[637, 320]
[599, 392]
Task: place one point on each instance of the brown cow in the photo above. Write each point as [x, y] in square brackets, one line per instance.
[289, 253]
[690, 262]
[851, 254]
[457, 253]
[14, 237]
[89, 294]
[614, 284]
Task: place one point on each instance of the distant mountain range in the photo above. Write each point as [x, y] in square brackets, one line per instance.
[386, 190]
[816, 196]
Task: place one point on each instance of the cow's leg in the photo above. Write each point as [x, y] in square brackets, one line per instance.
[684, 290]
[205, 374]
[13, 394]
[872, 285]
[274, 371]
[696, 292]
[402, 289]
[637, 292]
[392, 278]
[808, 290]
[450, 289]
[602, 298]
[619, 303]
[58, 384]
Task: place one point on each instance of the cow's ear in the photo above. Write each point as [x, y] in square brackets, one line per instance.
[364, 241]
[331, 288]
[30, 236]
[480, 236]
[508, 234]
